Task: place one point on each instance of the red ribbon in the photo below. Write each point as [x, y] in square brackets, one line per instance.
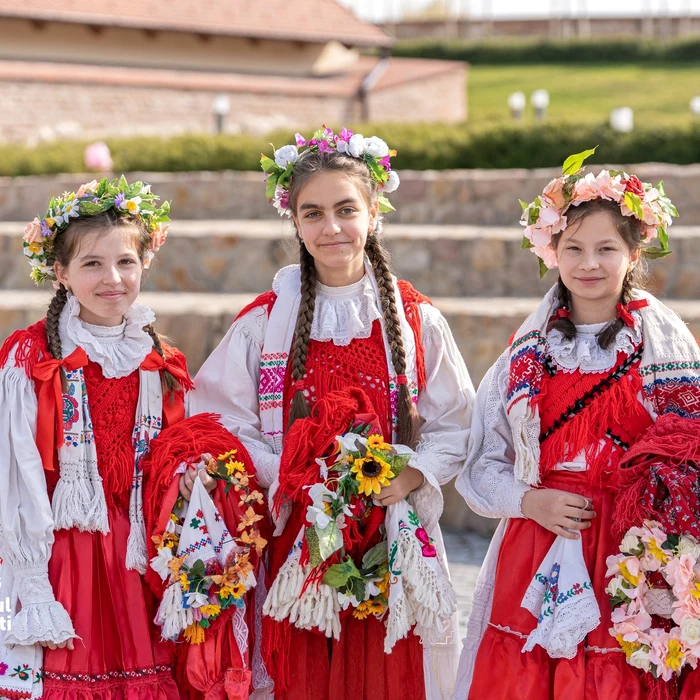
[49, 427]
[401, 379]
[623, 310]
[562, 313]
[299, 385]
[154, 362]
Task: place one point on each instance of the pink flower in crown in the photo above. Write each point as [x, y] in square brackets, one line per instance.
[539, 237]
[301, 141]
[610, 187]
[159, 235]
[649, 233]
[32, 231]
[324, 147]
[554, 193]
[88, 187]
[548, 255]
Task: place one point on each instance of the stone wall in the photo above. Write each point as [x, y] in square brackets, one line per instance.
[467, 197]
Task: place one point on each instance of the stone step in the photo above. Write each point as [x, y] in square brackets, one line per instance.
[242, 256]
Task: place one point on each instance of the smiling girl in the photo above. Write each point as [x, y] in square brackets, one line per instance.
[585, 375]
[84, 391]
[337, 321]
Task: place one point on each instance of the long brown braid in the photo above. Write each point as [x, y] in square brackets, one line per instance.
[65, 248]
[408, 420]
[302, 332]
[629, 229]
[54, 339]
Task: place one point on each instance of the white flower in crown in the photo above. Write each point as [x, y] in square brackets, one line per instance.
[392, 184]
[356, 146]
[70, 209]
[286, 155]
[376, 147]
[133, 205]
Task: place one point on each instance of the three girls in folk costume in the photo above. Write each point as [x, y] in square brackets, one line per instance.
[337, 339]
[84, 391]
[584, 376]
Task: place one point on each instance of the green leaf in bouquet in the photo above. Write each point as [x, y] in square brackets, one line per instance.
[101, 188]
[330, 540]
[398, 463]
[524, 205]
[227, 489]
[357, 587]
[198, 568]
[314, 551]
[375, 557]
[338, 575]
[671, 542]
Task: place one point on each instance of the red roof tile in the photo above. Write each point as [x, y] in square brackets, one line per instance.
[298, 20]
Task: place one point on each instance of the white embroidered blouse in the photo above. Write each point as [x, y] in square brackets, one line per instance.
[26, 521]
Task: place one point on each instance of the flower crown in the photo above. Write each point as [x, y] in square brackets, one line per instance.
[92, 198]
[545, 217]
[373, 151]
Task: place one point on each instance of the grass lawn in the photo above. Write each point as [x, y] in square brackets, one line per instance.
[658, 94]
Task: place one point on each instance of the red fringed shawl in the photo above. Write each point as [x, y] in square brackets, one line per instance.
[599, 412]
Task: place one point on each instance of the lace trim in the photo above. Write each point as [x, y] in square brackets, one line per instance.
[342, 314]
[583, 352]
[118, 350]
[508, 630]
[40, 622]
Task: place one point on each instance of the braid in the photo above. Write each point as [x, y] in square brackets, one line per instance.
[606, 337]
[564, 325]
[302, 332]
[407, 416]
[170, 385]
[52, 315]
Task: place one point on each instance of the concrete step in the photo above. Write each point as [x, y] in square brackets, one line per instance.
[242, 256]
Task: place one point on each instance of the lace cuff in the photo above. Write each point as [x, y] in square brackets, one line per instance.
[430, 462]
[42, 618]
[267, 465]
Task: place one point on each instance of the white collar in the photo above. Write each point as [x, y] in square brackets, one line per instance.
[341, 314]
[582, 352]
[119, 350]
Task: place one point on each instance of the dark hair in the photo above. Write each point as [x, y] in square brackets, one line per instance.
[310, 164]
[66, 246]
[630, 230]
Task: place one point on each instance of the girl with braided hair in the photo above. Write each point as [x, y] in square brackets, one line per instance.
[84, 391]
[340, 322]
[580, 381]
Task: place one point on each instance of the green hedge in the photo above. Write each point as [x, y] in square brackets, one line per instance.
[514, 51]
[420, 147]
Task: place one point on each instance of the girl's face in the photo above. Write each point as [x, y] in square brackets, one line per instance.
[333, 220]
[594, 259]
[104, 275]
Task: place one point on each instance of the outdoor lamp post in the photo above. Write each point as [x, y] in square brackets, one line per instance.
[221, 106]
[540, 101]
[695, 106]
[622, 120]
[516, 103]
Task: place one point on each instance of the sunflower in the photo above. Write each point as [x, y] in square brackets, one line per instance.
[226, 456]
[376, 607]
[372, 472]
[376, 442]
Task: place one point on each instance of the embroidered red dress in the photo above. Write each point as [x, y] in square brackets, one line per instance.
[118, 654]
[599, 413]
[112, 608]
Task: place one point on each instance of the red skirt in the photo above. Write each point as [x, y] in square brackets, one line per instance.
[599, 671]
[120, 655]
[355, 667]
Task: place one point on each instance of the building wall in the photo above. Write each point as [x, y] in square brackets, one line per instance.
[659, 27]
[25, 40]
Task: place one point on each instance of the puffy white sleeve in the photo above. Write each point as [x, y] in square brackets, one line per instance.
[228, 382]
[487, 481]
[445, 404]
[26, 522]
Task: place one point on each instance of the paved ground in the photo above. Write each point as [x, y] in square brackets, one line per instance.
[465, 552]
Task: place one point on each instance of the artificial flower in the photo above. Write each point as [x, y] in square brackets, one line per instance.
[286, 155]
[392, 184]
[356, 146]
[32, 231]
[87, 188]
[376, 147]
[372, 472]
